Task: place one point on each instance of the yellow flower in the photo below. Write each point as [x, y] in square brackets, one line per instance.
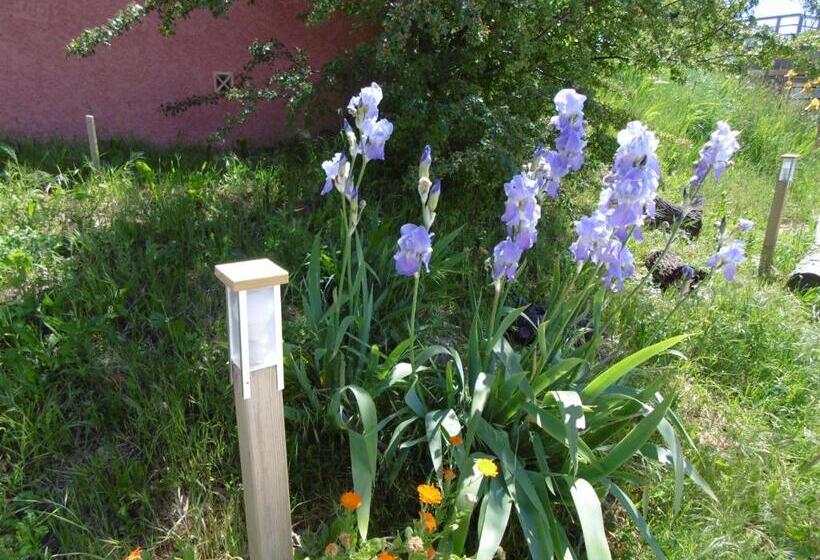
[487, 467]
[135, 554]
[814, 105]
[817, 81]
[456, 440]
[791, 73]
[807, 87]
[449, 474]
[429, 494]
[429, 521]
[350, 501]
[386, 556]
[788, 84]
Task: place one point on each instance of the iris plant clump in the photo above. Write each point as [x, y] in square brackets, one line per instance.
[548, 403]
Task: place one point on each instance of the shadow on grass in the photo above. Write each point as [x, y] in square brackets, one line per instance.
[118, 426]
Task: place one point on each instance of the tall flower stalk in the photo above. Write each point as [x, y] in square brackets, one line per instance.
[340, 170]
[525, 191]
[415, 245]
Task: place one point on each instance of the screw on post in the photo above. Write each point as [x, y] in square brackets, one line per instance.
[254, 302]
[788, 168]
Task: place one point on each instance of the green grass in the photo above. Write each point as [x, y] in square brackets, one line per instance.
[116, 421]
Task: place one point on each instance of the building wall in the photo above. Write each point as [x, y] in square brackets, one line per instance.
[44, 94]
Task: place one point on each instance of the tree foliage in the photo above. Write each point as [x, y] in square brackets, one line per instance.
[475, 77]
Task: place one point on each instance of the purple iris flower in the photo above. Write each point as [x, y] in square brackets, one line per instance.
[552, 165]
[522, 211]
[415, 248]
[716, 154]
[631, 188]
[569, 102]
[593, 234]
[728, 258]
[366, 104]
[333, 169]
[506, 255]
[620, 265]
[375, 133]
[745, 225]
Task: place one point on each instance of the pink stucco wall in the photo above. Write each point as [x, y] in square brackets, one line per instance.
[44, 94]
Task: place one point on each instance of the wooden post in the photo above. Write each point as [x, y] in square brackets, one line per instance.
[93, 147]
[788, 166]
[263, 454]
[253, 291]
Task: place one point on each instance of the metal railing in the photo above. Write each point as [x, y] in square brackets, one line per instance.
[790, 25]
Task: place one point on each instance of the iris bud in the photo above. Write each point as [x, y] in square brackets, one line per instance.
[424, 189]
[432, 201]
[424, 163]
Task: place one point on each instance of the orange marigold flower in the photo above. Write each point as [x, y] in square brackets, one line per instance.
[431, 553]
[449, 474]
[456, 440]
[429, 521]
[332, 550]
[386, 556]
[487, 467]
[135, 554]
[429, 494]
[350, 501]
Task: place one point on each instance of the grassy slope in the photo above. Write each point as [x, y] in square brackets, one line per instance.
[750, 386]
[117, 424]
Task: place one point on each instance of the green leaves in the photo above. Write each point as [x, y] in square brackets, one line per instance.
[363, 449]
[611, 375]
[637, 518]
[630, 444]
[492, 520]
[588, 507]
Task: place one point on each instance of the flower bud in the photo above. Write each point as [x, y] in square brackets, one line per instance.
[429, 217]
[353, 147]
[432, 201]
[424, 164]
[424, 189]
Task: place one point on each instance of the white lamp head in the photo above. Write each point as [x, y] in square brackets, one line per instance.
[788, 166]
[254, 304]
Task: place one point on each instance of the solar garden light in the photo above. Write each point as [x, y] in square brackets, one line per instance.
[254, 302]
[788, 168]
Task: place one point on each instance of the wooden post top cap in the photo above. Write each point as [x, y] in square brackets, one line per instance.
[248, 275]
[790, 156]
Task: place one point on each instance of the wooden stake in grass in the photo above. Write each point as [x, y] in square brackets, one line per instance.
[253, 293]
[788, 167]
[93, 147]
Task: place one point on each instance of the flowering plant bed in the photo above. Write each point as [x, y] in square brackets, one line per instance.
[547, 430]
